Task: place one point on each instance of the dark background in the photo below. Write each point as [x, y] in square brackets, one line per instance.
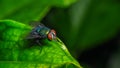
[90, 30]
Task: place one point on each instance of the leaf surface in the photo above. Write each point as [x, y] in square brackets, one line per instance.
[17, 52]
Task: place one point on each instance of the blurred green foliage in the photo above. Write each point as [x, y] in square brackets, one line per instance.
[29, 10]
[81, 24]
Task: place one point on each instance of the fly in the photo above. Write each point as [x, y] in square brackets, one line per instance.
[42, 32]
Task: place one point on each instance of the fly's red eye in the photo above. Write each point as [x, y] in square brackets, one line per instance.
[53, 31]
[50, 36]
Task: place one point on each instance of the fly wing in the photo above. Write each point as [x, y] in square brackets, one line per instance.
[33, 35]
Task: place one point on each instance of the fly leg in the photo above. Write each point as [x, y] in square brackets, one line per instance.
[38, 42]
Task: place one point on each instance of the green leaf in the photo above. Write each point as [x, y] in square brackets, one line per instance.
[17, 52]
[23, 11]
[29, 10]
